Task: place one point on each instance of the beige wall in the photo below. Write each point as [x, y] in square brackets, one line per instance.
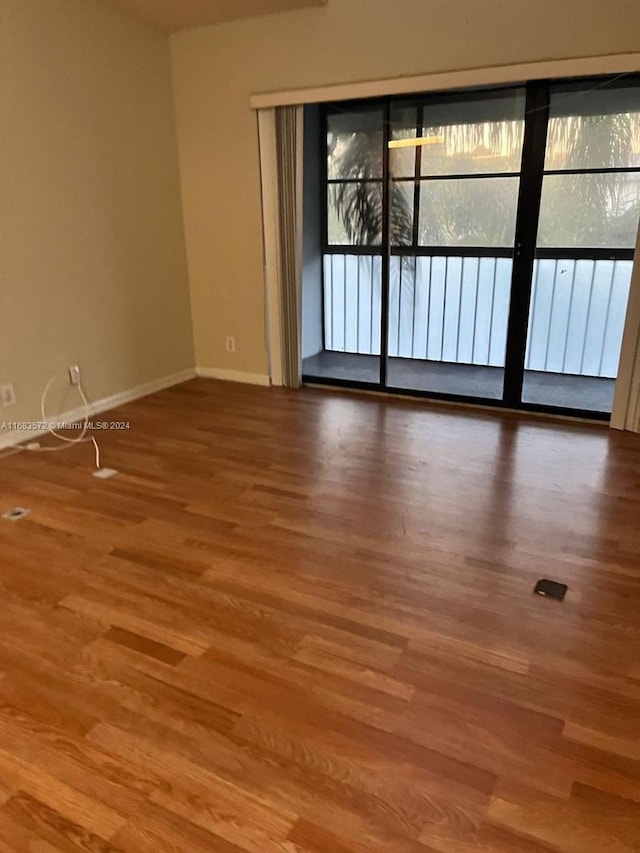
[216, 69]
[92, 260]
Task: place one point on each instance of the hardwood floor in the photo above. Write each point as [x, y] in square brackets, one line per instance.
[303, 622]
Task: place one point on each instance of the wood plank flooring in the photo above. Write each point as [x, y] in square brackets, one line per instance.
[303, 622]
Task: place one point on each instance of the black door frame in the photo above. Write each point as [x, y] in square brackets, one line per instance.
[534, 144]
[524, 252]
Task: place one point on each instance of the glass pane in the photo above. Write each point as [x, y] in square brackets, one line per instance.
[447, 325]
[402, 147]
[354, 145]
[593, 129]
[578, 309]
[350, 346]
[468, 212]
[482, 135]
[590, 210]
[354, 213]
[401, 213]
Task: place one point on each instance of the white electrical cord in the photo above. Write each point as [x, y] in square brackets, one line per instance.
[45, 419]
[67, 441]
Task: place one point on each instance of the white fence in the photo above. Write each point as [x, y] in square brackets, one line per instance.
[456, 310]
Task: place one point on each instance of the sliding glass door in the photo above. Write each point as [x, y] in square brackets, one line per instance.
[584, 250]
[478, 246]
[353, 163]
[454, 172]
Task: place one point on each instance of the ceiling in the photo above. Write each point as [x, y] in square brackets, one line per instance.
[174, 15]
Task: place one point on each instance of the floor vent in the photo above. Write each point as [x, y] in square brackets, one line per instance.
[551, 589]
[16, 513]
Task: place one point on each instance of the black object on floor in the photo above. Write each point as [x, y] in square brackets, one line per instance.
[552, 589]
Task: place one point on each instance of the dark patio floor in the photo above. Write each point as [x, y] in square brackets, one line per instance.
[548, 389]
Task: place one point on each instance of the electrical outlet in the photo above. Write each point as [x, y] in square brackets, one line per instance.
[74, 374]
[231, 343]
[7, 395]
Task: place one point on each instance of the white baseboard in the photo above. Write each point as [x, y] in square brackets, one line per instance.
[233, 376]
[10, 437]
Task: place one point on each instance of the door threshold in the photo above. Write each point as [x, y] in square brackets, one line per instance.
[596, 420]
